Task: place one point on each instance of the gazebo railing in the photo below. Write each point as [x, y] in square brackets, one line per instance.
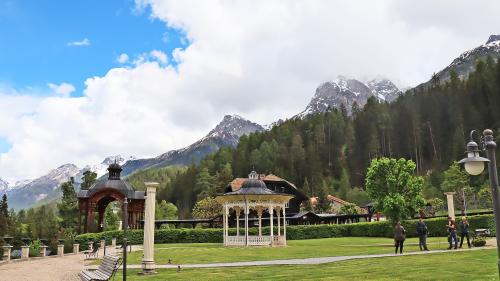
[255, 240]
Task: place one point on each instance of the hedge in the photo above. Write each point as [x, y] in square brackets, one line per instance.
[436, 227]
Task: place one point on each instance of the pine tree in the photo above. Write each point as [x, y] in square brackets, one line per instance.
[89, 179]
[68, 208]
[456, 180]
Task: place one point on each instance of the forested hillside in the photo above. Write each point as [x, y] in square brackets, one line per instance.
[333, 150]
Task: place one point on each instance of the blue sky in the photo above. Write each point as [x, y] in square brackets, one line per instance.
[34, 48]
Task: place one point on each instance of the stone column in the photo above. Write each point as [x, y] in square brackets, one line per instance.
[103, 246]
[60, 250]
[148, 261]
[43, 250]
[113, 242]
[451, 206]
[76, 248]
[271, 222]
[25, 252]
[284, 225]
[120, 225]
[246, 223]
[7, 249]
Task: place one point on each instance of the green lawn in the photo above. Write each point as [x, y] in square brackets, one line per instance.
[470, 265]
[209, 253]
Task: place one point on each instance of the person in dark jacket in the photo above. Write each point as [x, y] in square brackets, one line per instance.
[422, 234]
[464, 231]
[452, 230]
[399, 237]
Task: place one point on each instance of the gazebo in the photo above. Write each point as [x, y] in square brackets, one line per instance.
[105, 191]
[254, 195]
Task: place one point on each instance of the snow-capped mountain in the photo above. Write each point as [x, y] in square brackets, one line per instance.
[4, 186]
[384, 89]
[101, 168]
[347, 91]
[465, 63]
[226, 133]
[27, 193]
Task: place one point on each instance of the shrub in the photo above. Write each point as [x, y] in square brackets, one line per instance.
[35, 248]
[479, 242]
[436, 227]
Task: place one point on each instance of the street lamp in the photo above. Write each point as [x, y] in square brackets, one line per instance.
[474, 165]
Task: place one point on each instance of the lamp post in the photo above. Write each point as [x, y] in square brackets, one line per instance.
[125, 227]
[474, 165]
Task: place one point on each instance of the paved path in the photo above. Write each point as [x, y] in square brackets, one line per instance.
[296, 261]
[45, 269]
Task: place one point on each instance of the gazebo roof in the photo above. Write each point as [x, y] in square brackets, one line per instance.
[253, 188]
[112, 182]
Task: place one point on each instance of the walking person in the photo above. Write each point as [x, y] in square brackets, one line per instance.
[464, 231]
[399, 237]
[452, 230]
[422, 233]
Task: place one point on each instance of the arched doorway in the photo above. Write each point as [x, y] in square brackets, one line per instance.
[93, 202]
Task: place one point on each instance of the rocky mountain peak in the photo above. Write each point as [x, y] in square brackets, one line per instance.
[234, 126]
[4, 185]
[493, 38]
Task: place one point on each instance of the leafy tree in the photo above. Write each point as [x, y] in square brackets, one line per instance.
[349, 209]
[111, 220]
[165, 211]
[88, 179]
[456, 180]
[433, 206]
[357, 196]
[485, 198]
[68, 208]
[207, 208]
[394, 187]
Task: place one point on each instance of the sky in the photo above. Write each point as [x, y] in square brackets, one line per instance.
[82, 80]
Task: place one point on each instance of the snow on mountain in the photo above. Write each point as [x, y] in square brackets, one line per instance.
[348, 91]
[465, 62]
[226, 133]
[4, 186]
[101, 168]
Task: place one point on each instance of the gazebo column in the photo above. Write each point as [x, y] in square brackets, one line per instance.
[284, 225]
[238, 210]
[278, 211]
[259, 213]
[246, 223]
[271, 222]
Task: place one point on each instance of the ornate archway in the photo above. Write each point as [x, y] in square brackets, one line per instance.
[93, 201]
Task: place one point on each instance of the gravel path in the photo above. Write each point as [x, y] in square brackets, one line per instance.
[48, 269]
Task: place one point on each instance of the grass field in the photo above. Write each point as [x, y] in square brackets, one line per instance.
[209, 253]
[469, 265]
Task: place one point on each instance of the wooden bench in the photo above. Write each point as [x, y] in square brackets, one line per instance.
[105, 271]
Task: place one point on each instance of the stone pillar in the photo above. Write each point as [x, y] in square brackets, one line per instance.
[113, 242]
[103, 244]
[25, 252]
[76, 248]
[148, 261]
[284, 226]
[43, 250]
[451, 206]
[120, 225]
[60, 250]
[7, 249]
[271, 223]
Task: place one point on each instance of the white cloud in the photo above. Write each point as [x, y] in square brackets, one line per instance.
[83, 42]
[260, 59]
[159, 55]
[64, 89]
[123, 58]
